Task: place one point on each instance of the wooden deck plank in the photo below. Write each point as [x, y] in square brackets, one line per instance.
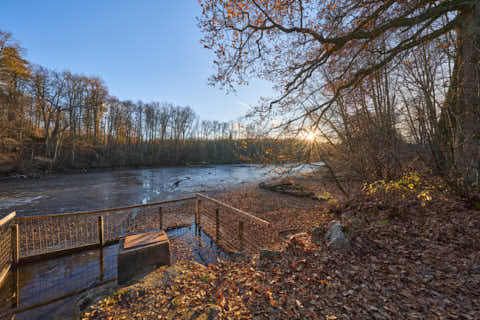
[144, 239]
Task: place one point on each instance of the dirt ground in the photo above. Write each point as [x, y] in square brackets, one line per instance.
[407, 260]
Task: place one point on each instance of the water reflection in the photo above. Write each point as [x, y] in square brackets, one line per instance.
[100, 190]
[48, 289]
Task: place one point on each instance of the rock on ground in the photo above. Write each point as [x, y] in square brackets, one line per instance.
[335, 237]
[317, 235]
[269, 254]
[287, 187]
[347, 215]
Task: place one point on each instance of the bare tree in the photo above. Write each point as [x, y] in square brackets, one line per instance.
[292, 43]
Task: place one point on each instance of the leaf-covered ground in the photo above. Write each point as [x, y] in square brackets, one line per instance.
[407, 262]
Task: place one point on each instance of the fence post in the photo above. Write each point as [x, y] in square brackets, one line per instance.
[240, 235]
[16, 299]
[197, 213]
[15, 243]
[197, 209]
[217, 224]
[100, 231]
[160, 217]
[102, 265]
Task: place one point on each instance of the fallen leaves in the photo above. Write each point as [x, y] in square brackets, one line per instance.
[422, 265]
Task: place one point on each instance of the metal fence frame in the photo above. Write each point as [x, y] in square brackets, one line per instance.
[8, 238]
[39, 237]
[45, 236]
[232, 228]
[24, 239]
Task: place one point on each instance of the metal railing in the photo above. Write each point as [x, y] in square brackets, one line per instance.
[40, 237]
[25, 238]
[7, 237]
[53, 234]
[232, 228]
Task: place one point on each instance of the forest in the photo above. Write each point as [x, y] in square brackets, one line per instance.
[381, 85]
[387, 95]
[51, 120]
[381, 97]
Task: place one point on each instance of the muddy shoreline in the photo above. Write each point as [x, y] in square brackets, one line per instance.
[66, 193]
[31, 174]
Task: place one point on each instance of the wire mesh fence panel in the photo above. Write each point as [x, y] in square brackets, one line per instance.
[232, 228]
[54, 233]
[164, 216]
[46, 234]
[116, 224]
[6, 257]
[47, 280]
[178, 214]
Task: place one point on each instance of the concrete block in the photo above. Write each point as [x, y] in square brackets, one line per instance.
[142, 253]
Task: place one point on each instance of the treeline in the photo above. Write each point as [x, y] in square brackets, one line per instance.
[53, 120]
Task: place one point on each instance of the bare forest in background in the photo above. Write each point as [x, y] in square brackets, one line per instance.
[377, 83]
[53, 120]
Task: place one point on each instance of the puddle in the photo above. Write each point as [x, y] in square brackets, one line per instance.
[48, 289]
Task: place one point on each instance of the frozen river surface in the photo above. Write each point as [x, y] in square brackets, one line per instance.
[64, 193]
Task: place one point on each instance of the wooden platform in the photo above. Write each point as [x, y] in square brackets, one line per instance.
[142, 253]
[144, 239]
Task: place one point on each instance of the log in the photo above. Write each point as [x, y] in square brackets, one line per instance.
[288, 187]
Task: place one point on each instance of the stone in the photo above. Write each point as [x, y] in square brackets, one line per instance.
[269, 254]
[287, 187]
[170, 274]
[356, 222]
[347, 215]
[317, 235]
[335, 237]
[142, 253]
[240, 256]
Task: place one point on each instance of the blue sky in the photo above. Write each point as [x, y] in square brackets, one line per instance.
[144, 49]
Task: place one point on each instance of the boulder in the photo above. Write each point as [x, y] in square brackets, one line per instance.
[317, 235]
[347, 215]
[269, 255]
[240, 256]
[335, 237]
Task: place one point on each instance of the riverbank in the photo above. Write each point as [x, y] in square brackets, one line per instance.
[56, 194]
[407, 259]
[35, 173]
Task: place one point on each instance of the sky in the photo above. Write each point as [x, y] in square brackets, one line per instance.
[144, 50]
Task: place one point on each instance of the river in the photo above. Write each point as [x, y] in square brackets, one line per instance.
[65, 193]
[48, 289]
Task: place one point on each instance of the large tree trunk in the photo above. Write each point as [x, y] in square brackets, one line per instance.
[461, 117]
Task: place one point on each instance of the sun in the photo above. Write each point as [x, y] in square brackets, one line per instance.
[310, 136]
